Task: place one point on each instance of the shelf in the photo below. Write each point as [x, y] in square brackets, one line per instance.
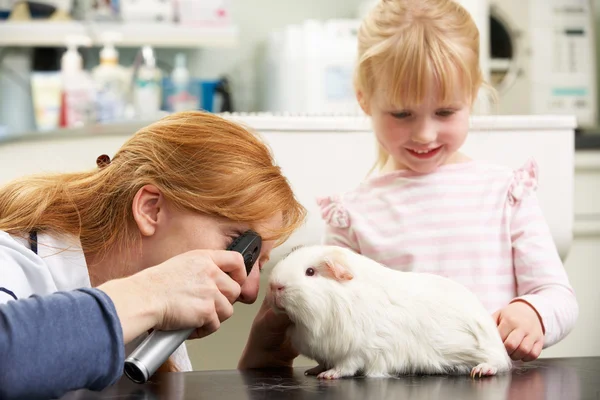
[52, 34]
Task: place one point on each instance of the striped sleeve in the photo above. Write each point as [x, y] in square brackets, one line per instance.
[541, 278]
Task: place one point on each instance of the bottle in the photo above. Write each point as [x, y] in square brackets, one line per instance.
[111, 81]
[147, 86]
[181, 98]
[77, 86]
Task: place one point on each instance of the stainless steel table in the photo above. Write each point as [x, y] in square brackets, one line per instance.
[560, 379]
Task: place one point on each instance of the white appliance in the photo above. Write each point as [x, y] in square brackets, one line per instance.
[543, 57]
[308, 68]
[341, 150]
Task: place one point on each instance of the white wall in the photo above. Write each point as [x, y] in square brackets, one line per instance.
[256, 19]
[596, 6]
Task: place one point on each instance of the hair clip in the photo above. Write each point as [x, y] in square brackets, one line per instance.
[102, 161]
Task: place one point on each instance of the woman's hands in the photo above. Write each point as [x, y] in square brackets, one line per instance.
[521, 330]
[190, 290]
[268, 345]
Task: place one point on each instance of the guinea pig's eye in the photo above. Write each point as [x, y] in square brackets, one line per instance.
[310, 271]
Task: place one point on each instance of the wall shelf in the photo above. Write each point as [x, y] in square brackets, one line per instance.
[53, 34]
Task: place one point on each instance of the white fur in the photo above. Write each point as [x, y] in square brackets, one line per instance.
[384, 322]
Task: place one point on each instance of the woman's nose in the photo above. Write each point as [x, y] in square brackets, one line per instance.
[250, 287]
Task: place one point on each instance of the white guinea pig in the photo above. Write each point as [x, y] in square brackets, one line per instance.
[353, 315]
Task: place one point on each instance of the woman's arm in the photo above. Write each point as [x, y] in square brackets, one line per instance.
[74, 340]
[57, 343]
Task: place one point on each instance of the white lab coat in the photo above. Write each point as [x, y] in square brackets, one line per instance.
[59, 266]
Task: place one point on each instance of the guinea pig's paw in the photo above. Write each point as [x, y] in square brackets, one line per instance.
[483, 369]
[334, 373]
[315, 370]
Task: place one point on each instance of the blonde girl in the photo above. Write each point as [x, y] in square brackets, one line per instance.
[433, 209]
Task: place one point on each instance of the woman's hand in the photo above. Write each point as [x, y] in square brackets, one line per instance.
[268, 345]
[521, 330]
[190, 290]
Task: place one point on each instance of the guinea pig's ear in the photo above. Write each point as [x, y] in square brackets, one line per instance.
[335, 268]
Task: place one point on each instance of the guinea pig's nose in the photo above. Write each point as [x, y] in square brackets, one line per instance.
[276, 287]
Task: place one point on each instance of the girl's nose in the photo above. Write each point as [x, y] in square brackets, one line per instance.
[424, 134]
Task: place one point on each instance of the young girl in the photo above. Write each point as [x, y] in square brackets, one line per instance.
[190, 181]
[433, 209]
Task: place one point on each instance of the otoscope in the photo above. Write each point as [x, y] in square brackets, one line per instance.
[143, 362]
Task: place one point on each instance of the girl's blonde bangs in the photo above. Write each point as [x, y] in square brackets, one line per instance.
[418, 63]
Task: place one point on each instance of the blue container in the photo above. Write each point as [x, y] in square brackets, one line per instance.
[203, 90]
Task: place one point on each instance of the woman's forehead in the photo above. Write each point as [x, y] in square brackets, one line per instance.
[263, 228]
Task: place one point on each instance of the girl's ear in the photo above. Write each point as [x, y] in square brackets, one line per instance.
[147, 204]
[362, 101]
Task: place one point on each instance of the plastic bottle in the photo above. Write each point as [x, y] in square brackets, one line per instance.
[181, 98]
[147, 87]
[111, 81]
[77, 86]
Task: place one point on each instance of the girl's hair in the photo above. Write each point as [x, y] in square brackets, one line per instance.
[408, 47]
[199, 161]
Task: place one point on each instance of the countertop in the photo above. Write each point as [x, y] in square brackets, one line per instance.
[566, 378]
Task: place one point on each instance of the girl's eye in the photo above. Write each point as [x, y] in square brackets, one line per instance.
[401, 115]
[445, 113]
[310, 271]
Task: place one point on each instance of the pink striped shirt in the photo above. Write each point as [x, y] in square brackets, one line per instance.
[477, 223]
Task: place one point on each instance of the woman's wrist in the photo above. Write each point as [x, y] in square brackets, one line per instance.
[136, 310]
[252, 359]
[255, 355]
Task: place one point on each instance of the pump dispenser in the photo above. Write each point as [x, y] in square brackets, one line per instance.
[77, 86]
[111, 81]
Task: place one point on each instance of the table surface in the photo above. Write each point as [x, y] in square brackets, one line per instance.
[566, 378]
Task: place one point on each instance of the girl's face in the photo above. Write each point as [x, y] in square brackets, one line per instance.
[184, 230]
[423, 137]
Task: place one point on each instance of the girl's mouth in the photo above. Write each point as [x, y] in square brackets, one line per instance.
[424, 154]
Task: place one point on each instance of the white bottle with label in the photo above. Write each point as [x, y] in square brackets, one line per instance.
[77, 86]
[181, 98]
[111, 81]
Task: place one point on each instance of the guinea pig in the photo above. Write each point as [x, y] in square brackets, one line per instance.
[355, 316]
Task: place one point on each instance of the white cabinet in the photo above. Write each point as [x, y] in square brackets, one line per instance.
[583, 260]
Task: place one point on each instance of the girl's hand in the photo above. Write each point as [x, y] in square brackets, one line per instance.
[521, 330]
[268, 345]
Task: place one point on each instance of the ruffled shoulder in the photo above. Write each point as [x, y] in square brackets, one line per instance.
[333, 211]
[524, 182]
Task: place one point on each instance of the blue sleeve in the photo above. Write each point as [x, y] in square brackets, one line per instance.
[53, 344]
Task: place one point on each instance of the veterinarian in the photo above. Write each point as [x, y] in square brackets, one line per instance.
[91, 261]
